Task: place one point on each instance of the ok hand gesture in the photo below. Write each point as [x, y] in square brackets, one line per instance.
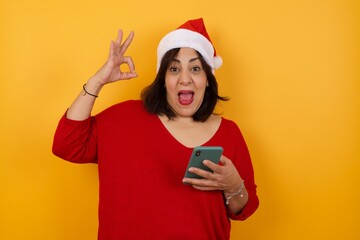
[111, 71]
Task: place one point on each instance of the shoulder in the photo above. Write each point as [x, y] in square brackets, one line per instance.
[129, 105]
[231, 129]
[122, 110]
[229, 124]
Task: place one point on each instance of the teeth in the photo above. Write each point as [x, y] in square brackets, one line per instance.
[186, 92]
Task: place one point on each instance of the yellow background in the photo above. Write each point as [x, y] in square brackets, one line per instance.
[290, 67]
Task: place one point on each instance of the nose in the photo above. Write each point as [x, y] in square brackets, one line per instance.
[185, 78]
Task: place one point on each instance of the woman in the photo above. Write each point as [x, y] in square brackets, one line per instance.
[142, 147]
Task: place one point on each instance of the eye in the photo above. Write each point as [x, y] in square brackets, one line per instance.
[196, 69]
[173, 69]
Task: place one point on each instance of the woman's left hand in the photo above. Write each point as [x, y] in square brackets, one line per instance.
[224, 177]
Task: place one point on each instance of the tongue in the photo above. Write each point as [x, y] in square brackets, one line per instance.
[185, 98]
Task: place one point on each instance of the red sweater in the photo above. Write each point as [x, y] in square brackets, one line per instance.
[141, 167]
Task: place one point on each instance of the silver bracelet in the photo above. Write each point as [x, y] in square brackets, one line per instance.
[241, 192]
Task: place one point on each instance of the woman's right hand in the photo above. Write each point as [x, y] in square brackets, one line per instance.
[81, 108]
[111, 71]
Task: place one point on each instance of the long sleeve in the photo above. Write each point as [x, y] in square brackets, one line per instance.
[245, 168]
[76, 141]
[236, 150]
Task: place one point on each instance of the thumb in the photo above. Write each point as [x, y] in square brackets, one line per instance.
[128, 75]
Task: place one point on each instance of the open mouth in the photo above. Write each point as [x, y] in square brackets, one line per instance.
[186, 97]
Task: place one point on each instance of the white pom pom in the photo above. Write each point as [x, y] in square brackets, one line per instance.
[217, 62]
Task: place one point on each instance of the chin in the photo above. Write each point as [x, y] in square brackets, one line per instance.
[185, 113]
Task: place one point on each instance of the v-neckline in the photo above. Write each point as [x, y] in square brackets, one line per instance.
[174, 139]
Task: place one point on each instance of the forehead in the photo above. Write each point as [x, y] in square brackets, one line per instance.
[186, 54]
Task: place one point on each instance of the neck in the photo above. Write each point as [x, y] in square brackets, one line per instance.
[178, 119]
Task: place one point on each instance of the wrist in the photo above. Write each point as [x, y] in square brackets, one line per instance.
[235, 188]
[95, 82]
[88, 93]
[238, 192]
[92, 87]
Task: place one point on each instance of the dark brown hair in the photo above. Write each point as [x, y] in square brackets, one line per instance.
[154, 95]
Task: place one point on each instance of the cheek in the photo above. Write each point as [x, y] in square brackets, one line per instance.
[168, 80]
[170, 91]
[202, 83]
[170, 84]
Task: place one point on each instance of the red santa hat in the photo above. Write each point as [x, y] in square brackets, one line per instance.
[191, 34]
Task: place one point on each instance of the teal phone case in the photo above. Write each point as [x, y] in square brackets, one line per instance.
[201, 153]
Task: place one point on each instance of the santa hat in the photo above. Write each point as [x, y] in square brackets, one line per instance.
[191, 34]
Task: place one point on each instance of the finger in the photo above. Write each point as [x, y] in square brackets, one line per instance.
[112, 48]
[213, 166]
[203, 182]
[127, 75]
[202, 173]
[204, 188]
[126, 44]
[223, 160]
[119, 37]
[130, 63]
[131, 73]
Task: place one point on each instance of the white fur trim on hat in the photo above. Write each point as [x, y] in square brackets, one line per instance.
[182, 38]
[217, 62]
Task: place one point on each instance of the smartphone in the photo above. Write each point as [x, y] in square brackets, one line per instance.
[199, 154]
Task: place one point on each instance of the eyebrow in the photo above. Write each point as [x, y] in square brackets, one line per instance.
[191, 60]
